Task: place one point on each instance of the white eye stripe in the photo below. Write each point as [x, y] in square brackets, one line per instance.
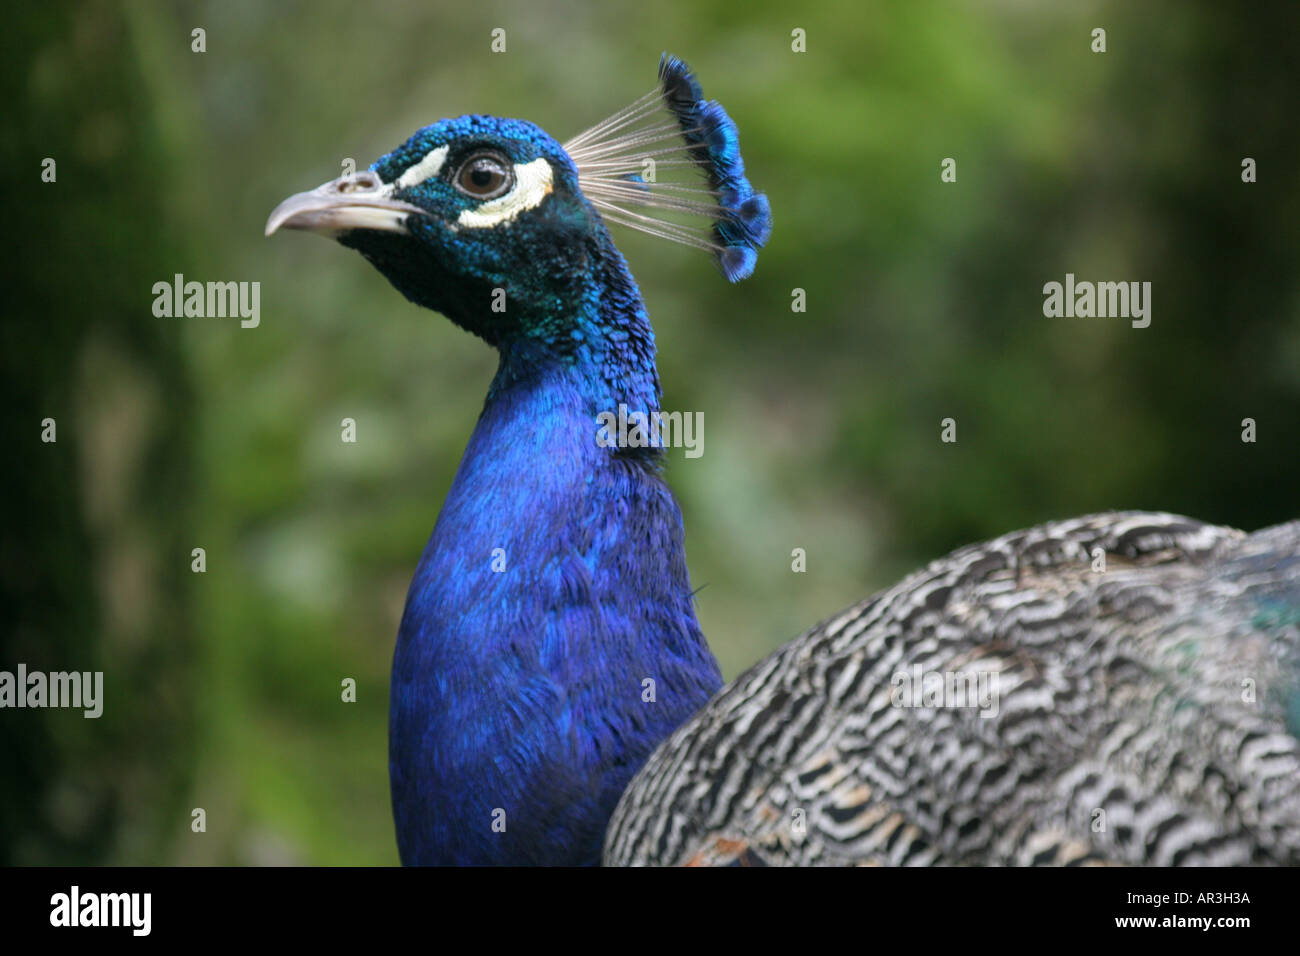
[426, 168]
[533, 183]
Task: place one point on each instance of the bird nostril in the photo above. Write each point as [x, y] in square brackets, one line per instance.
[359, 181]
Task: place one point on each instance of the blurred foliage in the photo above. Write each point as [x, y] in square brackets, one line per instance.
[822, 428]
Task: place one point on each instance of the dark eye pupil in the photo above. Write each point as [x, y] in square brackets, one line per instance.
[483, 176]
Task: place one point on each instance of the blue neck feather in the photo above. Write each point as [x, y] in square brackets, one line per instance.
[552, 590]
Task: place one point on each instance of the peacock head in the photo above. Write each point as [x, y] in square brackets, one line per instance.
[501, 228]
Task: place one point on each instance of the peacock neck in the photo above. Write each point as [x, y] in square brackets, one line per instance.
[597, 332]
[549, 640]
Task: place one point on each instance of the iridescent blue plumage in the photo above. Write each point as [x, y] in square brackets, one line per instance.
[549, 640]
[554, 586]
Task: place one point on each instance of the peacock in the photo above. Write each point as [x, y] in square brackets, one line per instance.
[1117, 688]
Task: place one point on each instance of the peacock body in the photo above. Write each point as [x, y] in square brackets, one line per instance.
[1144, 712]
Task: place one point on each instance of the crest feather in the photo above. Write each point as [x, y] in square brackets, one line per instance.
[675, 130]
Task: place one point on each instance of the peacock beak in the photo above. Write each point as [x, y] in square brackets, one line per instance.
[356, 201]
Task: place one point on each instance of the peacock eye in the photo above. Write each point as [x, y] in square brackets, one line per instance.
[485, 176]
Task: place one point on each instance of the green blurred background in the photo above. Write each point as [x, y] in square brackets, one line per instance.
[924, 301]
